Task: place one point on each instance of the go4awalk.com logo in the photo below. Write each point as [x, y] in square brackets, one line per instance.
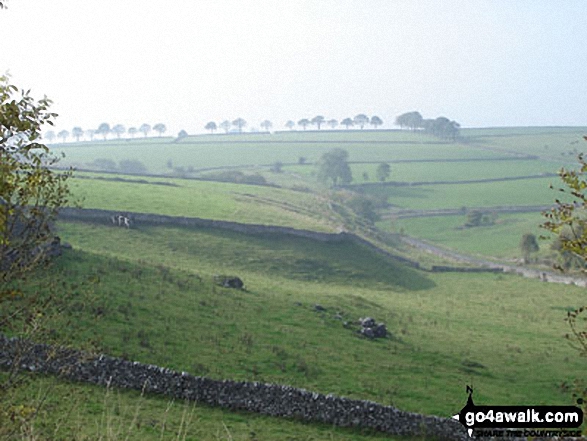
[511, 421]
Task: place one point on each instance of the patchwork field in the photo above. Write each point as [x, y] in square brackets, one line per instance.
[147, 293]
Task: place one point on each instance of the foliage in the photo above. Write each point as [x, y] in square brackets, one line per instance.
[104, 164]
[160, 128]
[277, 167]
[181, 135]
[30, 192]
[318, 121]
[267, 125]
[305, 122]
[528, 245]
[361, 120]
[376, 121]
[347, 122]
[237, 177]
[145, 129]
[383, 171]
[132, 166]
[567, 219]
[290, 124]
[442, 127]
[476, 218]
[77, 132]
[412, 120]
[333, 166]
[225, 125]
[211, 126]
[118, 130]
[104, 130]
[364, 206]
[239, 123]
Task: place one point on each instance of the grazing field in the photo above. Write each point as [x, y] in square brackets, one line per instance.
[248, 150]
[447, 329]
[499, 240]
[147, 293]
[443, 171]
[211, 200]
[484, 194]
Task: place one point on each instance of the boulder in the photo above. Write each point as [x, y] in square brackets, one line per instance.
[229, 282]
[319, 308]
[367, 322]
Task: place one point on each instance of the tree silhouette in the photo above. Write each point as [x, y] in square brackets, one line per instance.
[412, 120]
[90, 133]
[118, 129]
[361, 120]
[239, 123]
[145, 129]
[333, 166]
[132, 131]
[290, 124]
[528, 245]
[104, 130]
[160, 128]
[225, 125]
[50, 135]
[77, 133]
[383, 171]
[347, 122]
[211, 126]
[304, 123]
[332, 123]
[376, 121]
[318, 121]
[63, 134]
[267, 125]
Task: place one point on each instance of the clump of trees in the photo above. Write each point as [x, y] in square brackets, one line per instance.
[441, 127]
[383, 172]
[334, 168]
[476, 218]
[528, 246]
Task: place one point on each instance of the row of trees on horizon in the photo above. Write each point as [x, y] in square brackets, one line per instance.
[104, 130]
[441, 127]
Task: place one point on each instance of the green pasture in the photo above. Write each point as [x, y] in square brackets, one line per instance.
[211, 200]
[485, 194]
[448, 330]
[499, 240]
[235, 150]
[79, 412]
[557, 143]
[443, 171]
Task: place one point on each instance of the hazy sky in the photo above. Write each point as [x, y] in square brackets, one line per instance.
[186, 62]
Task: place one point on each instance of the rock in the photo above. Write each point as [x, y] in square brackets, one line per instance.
[380, 331]
[319, 308]
[367, 332]
[66, 246]
[367, 322]
[229, 282]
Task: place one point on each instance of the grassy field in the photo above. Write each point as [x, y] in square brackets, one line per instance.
[443, 171]
[441, 323]
[499, 240]
[147, 293]
[486, 194]
[241, 150]
[211, 200]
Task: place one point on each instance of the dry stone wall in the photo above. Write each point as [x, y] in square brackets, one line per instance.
[267, 399]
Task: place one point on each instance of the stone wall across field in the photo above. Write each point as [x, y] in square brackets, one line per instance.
[267, 399]
[103, 216]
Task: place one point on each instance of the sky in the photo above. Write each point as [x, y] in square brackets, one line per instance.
[481, 63]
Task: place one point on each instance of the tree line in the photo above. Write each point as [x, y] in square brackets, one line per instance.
[104, 130]
[360, 120]
[441, 127]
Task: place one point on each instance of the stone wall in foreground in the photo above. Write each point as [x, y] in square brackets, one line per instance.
[267, 399]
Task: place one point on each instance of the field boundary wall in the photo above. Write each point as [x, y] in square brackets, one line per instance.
[103, 217]
[267, 399]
